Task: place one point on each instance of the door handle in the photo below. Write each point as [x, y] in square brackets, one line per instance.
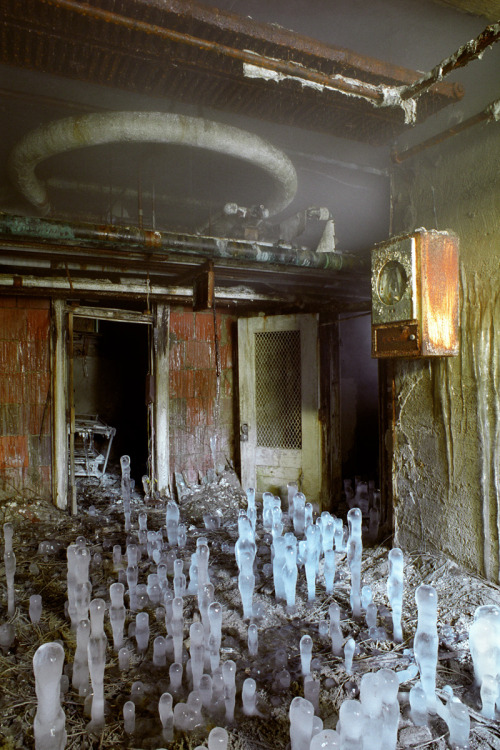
[244, 433]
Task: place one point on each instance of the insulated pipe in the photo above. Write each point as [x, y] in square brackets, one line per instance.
[463, 56]
[163, 246]
[146, 127]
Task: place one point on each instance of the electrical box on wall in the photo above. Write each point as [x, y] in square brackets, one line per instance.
[415, 295]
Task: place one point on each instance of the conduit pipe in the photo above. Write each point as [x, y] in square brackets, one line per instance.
[491, 112]
[463, 56]
[164, 246]
[146, 127]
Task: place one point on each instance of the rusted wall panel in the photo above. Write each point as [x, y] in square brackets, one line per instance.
[201, 401]
[25, 445]
[446, 461]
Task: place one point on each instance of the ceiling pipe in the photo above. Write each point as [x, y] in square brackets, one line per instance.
[286, 67]
[463, 56]
[146, 127]
[163, 246]
[491, 112]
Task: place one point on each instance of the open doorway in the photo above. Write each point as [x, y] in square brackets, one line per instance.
[110, 365]
[359, 400]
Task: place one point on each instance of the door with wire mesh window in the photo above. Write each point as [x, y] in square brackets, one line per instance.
[280, 437]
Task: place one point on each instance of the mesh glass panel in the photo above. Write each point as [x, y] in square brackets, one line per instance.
[278, 389]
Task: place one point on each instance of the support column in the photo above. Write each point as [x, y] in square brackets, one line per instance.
[161, 443]
[59, 403]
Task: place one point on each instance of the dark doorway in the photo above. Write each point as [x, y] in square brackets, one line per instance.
[110, 367]
[359, 399]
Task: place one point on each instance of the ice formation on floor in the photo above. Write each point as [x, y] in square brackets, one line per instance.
[370, 723]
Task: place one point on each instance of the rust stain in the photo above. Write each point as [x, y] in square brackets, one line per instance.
[439, 279]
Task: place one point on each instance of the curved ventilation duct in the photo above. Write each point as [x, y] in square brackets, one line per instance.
[146, 127]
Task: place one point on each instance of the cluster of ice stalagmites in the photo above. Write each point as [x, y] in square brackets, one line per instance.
[158, 583]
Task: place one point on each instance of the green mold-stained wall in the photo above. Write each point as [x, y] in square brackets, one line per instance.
[446, 460]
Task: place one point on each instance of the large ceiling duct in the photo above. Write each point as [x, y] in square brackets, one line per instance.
[146, 127]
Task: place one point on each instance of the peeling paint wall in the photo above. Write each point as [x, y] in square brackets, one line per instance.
[201, 403]
[25, 442]
[446, 464]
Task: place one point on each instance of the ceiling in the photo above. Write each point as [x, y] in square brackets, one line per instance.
[308, 78]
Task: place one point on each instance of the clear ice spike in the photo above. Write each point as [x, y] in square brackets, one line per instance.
[426, 641]
[349, 648]
[10, 571]
[336, 636]
[418, 705]
[395, 590]
[50, 722]
[142, 631]
[301, 715]
[35, 608]
[327, 739]
[218, 739]
[129, 717]
[354, 553]
[351, 725]
[306, 646]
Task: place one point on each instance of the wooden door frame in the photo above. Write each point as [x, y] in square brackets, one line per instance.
[309, 352]
[62, 402]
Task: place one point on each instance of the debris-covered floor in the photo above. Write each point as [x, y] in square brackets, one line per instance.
[100, 521]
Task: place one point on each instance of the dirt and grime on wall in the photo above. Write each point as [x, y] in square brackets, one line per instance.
[100, 520]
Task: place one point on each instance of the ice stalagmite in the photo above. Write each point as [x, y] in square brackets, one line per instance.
[301, 715]
[279, 547]
[129, 717]
[177, 627]
[389, 687]
[117, 614]
[312, 552]
[456, 715]
[166, 717]
[160, 651]
[10, 570]
[349, 648]
[50, 721]
[336, 636]
[8, 536]
[229, 676]
[215, 620]
[306, 646]
[249, 697]
[218, 739]
[97, 661]
[80, 678]
[395, 590]
[142, 631]
[10, 566]
[253, 640]
[373, 714]
[327, 739]
[125, 488]
[354, 552]
[197, 651]
[292, 490]
[246, 585]
[299, 513]
[290, 577]
[484, 644]
[426, 641]
[35, 608]
[418, 705]
[351, 725]
[172, 521]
